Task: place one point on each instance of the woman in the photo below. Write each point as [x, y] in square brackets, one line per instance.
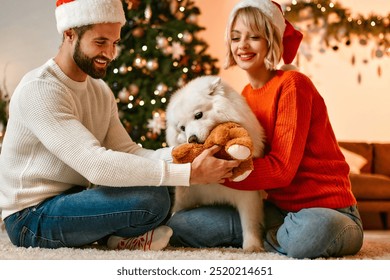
[310, 209]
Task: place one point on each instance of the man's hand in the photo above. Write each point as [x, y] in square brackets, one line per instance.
[207, 169]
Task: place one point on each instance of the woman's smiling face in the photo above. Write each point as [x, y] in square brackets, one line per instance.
[249, 48]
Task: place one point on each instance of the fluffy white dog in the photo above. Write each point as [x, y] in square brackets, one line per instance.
[193, 111]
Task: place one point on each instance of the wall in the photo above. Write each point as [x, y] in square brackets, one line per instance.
[28, 37]
[357, 111]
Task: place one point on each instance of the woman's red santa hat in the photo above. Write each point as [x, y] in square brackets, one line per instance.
[76, 13]
[291, 37]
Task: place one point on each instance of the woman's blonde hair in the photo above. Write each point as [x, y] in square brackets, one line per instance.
[260, 24]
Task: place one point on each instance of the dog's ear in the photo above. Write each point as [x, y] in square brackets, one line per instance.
[214, 85]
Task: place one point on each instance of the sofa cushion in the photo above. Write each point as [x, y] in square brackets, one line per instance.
[363, 149]
[355, 161]
[370, 186]
[382, 159]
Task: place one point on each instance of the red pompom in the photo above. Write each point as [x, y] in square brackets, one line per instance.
[60, 2]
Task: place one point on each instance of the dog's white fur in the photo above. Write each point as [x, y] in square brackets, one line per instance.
[195, 110]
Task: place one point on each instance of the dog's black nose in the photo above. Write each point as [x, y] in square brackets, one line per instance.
[193, 139]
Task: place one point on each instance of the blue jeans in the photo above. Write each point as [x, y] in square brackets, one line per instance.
[309, 233]
[82, 216]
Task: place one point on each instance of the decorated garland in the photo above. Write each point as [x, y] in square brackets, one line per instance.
[336, 25]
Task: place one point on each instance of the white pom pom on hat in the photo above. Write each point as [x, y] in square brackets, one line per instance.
[76, 13]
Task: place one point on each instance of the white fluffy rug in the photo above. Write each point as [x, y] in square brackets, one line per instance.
[376, 246]
[179, 263]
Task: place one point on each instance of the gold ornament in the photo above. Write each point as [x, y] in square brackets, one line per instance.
[187, 37]
[379, 71]
[123, 69]
[174, 6]
[162, 42]
[134, 89]
[152, 64]
[138, 32]
[196, 68]
[161, 89]
[192, 19]
[148, 13]
[139, 62]
[379, 53]
[133, 4]
[124, 95]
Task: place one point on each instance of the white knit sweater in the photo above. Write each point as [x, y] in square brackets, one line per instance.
[63, 133]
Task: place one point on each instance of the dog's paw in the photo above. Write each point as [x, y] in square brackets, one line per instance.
[254, 249]
[242, 176]
[252, 245]
[239, 152]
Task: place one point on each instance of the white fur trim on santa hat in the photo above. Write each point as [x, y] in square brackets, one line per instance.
[85, 12]
[267, 7]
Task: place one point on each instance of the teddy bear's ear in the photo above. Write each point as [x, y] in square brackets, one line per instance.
[214, 85]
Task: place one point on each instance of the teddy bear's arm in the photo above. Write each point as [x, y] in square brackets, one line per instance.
[240, 146]
[186, 152]
[239, 136]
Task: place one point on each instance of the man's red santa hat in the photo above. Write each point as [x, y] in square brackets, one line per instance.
[76, 13]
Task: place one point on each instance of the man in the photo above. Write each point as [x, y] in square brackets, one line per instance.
[64, 133]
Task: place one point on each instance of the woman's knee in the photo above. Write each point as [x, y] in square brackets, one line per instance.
[207, 226]
[182, 230]
[313, 233]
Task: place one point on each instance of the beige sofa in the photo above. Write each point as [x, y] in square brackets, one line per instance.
[370, 178]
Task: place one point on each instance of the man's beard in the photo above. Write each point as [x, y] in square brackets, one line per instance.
[86, 64]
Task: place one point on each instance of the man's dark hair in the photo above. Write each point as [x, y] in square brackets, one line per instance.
[81, 30]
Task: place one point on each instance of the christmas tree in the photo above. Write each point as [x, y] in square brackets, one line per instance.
[4, 102]
[160, 51]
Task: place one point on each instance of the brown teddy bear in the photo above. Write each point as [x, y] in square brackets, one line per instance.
[236, 144]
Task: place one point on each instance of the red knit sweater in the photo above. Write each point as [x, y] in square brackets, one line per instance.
[303, 166]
